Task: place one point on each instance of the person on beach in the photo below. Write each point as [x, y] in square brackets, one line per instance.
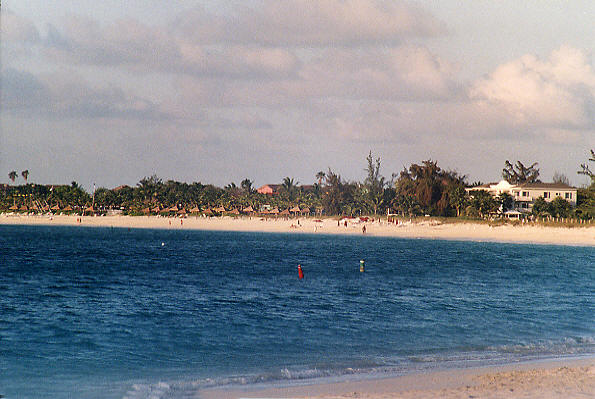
[364, 229]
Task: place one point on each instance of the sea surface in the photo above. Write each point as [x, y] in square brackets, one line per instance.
[117, 313]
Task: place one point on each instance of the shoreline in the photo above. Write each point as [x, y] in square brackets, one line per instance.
[537, 379]
[425, 229]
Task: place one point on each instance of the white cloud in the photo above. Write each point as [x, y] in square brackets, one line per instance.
[557, 92]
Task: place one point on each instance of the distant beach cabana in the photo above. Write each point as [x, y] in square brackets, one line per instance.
[248, 209]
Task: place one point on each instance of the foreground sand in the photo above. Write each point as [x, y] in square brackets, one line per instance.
[568, 379]
[424, 229]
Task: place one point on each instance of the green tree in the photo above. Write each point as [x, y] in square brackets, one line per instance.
[519, 173]
[289, 187]
[458, 198]
[12, 175]
[541, 207]
[374, 184]
[25, 175]
[560, 207]
[246, 185]
[506, 202]
[484, 202]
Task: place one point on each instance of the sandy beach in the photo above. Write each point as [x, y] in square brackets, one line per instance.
[430, 229]
[568, 379]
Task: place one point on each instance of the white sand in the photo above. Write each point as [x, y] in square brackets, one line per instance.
[424, 229]
[563, 379]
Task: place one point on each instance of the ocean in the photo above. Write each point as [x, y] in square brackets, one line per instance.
[118, 313]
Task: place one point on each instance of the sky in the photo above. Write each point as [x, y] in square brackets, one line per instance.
[217, 91]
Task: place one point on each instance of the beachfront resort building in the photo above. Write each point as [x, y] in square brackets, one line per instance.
[525, 194]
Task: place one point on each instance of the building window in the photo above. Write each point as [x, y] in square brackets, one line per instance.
[546, 194]
[568, 195]
[525, 193]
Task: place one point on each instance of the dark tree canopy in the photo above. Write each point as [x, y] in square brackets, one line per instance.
[519, 173]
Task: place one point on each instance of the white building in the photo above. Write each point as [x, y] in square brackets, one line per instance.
[524, 195]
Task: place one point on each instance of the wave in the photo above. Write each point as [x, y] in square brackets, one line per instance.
[374, 368]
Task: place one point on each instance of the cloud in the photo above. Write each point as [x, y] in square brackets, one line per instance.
[557, 92]
[16, 29]
[69, 95]
[311, 23]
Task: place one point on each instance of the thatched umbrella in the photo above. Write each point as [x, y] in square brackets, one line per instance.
[248, 209]
[45, 208]
[156, 209]
[305, 211]
[24, 208]
[274, 211]
[196, 209]
[89, 209]
[14, 208]
[285, 212]
[56, 207]
[221, 209]
[207, 211]
[68, 208]
[234, 211]
[146, 210]
[295, 209]
[182, 211]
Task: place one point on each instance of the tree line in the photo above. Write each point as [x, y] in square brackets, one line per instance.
[420, 189]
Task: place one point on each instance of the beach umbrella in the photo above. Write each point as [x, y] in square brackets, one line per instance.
[24, 208]
[248, 209]
[182, 211]
[274, 211]
[196, 209]
[305, 211]
[68, 208]
[295, 209]
[285, 212]
[234, 211]
[146, 210]
[56, 207]
[208, 211]
[14, 208]
[221, 209]
[156, 209]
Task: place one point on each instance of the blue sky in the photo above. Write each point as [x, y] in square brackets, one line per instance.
[218, 91]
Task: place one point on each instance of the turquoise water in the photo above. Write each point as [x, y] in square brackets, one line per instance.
[113, 313]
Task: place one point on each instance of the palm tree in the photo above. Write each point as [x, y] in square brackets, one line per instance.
[320, 176]
[25, 174]
[246, 185]
[289, 186]
[12, 175]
